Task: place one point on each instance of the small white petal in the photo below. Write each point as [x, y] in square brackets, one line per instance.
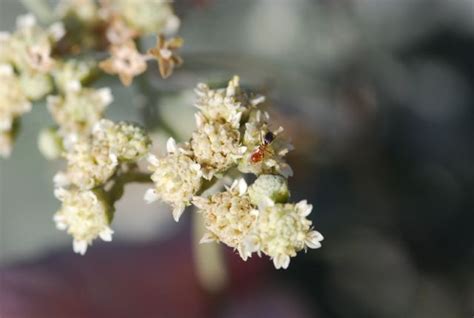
[242, 186]
[79, 247]
[150, 195]
[281, 261]
[207, 238]
[171, 145]
[60, 179]
[106, 234]
[313, 239]
[152, 159]
[177, 212]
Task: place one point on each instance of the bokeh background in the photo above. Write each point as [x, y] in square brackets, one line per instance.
[378, 98]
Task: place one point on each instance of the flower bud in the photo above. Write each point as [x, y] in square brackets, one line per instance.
[50, 143]
[267, 186]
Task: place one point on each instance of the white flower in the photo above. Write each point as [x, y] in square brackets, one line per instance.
[229, 217]
[13, 101]
[216, 147]
[85, 215]
[127, 141]
[77, 111]
[283, 229]
[89, 164]
[35, 85]
[225, 105]
[267, 186]
[177, 178]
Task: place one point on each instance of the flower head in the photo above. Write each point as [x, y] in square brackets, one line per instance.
[229, 217]
[177, 178]
[164, 53]
[283, 229]
[85, 215]
[216, 147]
[89, 164]
[127, 141]
[224, 105]
[79, 109]
[125, 61]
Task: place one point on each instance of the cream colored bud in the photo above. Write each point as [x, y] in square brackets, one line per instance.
[267, 186]
[50, 143]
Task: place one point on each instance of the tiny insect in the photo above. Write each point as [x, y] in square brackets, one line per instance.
[259, 152]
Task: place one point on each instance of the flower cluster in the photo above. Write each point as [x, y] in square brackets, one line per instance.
[127, 19]
[233, 139]
[92, 161]
[78, 109]
[25, 64]
[85, 215]
[87, 201]
[233, 134]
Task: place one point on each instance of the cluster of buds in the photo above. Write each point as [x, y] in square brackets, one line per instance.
[25, 66]
[233, 134]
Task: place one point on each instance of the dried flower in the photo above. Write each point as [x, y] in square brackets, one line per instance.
[31, 45]
[177, 178]
[119, 33]
[125, 61]
[164, 53]
[85, 215]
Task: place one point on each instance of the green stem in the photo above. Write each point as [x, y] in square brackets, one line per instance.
[116, 191]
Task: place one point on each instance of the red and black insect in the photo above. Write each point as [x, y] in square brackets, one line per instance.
[259, 152]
